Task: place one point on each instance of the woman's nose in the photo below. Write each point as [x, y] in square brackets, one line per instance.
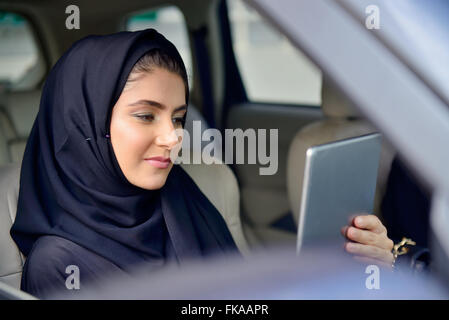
[168, 138]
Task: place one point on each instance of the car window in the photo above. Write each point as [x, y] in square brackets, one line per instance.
[21, 63]
[272, 69]
[170, 22]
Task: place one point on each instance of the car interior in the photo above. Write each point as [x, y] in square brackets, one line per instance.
[242, 74]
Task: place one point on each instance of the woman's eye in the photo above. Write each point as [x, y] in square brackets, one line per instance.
[145, 117]
[178, 121]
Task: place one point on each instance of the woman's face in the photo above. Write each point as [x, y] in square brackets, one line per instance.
[143, 121]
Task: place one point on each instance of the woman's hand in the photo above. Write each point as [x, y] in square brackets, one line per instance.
[368, 240]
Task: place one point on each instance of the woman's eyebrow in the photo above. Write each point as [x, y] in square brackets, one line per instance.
[156, 104]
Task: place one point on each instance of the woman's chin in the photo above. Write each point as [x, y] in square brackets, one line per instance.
[151, 181]
[154, 184]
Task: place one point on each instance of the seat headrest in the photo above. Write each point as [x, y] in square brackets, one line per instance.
[22, 107]
[335, 104]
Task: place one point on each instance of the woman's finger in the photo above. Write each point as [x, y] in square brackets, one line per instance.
[344, 230]
[369, 251]
[369, 238]
[369, 222]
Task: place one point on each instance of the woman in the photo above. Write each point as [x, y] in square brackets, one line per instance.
[97, 188]
[91, 193]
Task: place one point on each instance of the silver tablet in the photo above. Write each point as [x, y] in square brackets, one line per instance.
[339, 182]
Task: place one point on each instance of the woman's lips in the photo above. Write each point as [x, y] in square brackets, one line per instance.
[159, 162]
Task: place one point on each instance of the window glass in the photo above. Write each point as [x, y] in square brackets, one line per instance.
[21, 65]
[272, 69]
[170, 22]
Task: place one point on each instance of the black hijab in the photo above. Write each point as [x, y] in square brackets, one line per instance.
[71, 184]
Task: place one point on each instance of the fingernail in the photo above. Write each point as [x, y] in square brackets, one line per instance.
[352, 231]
